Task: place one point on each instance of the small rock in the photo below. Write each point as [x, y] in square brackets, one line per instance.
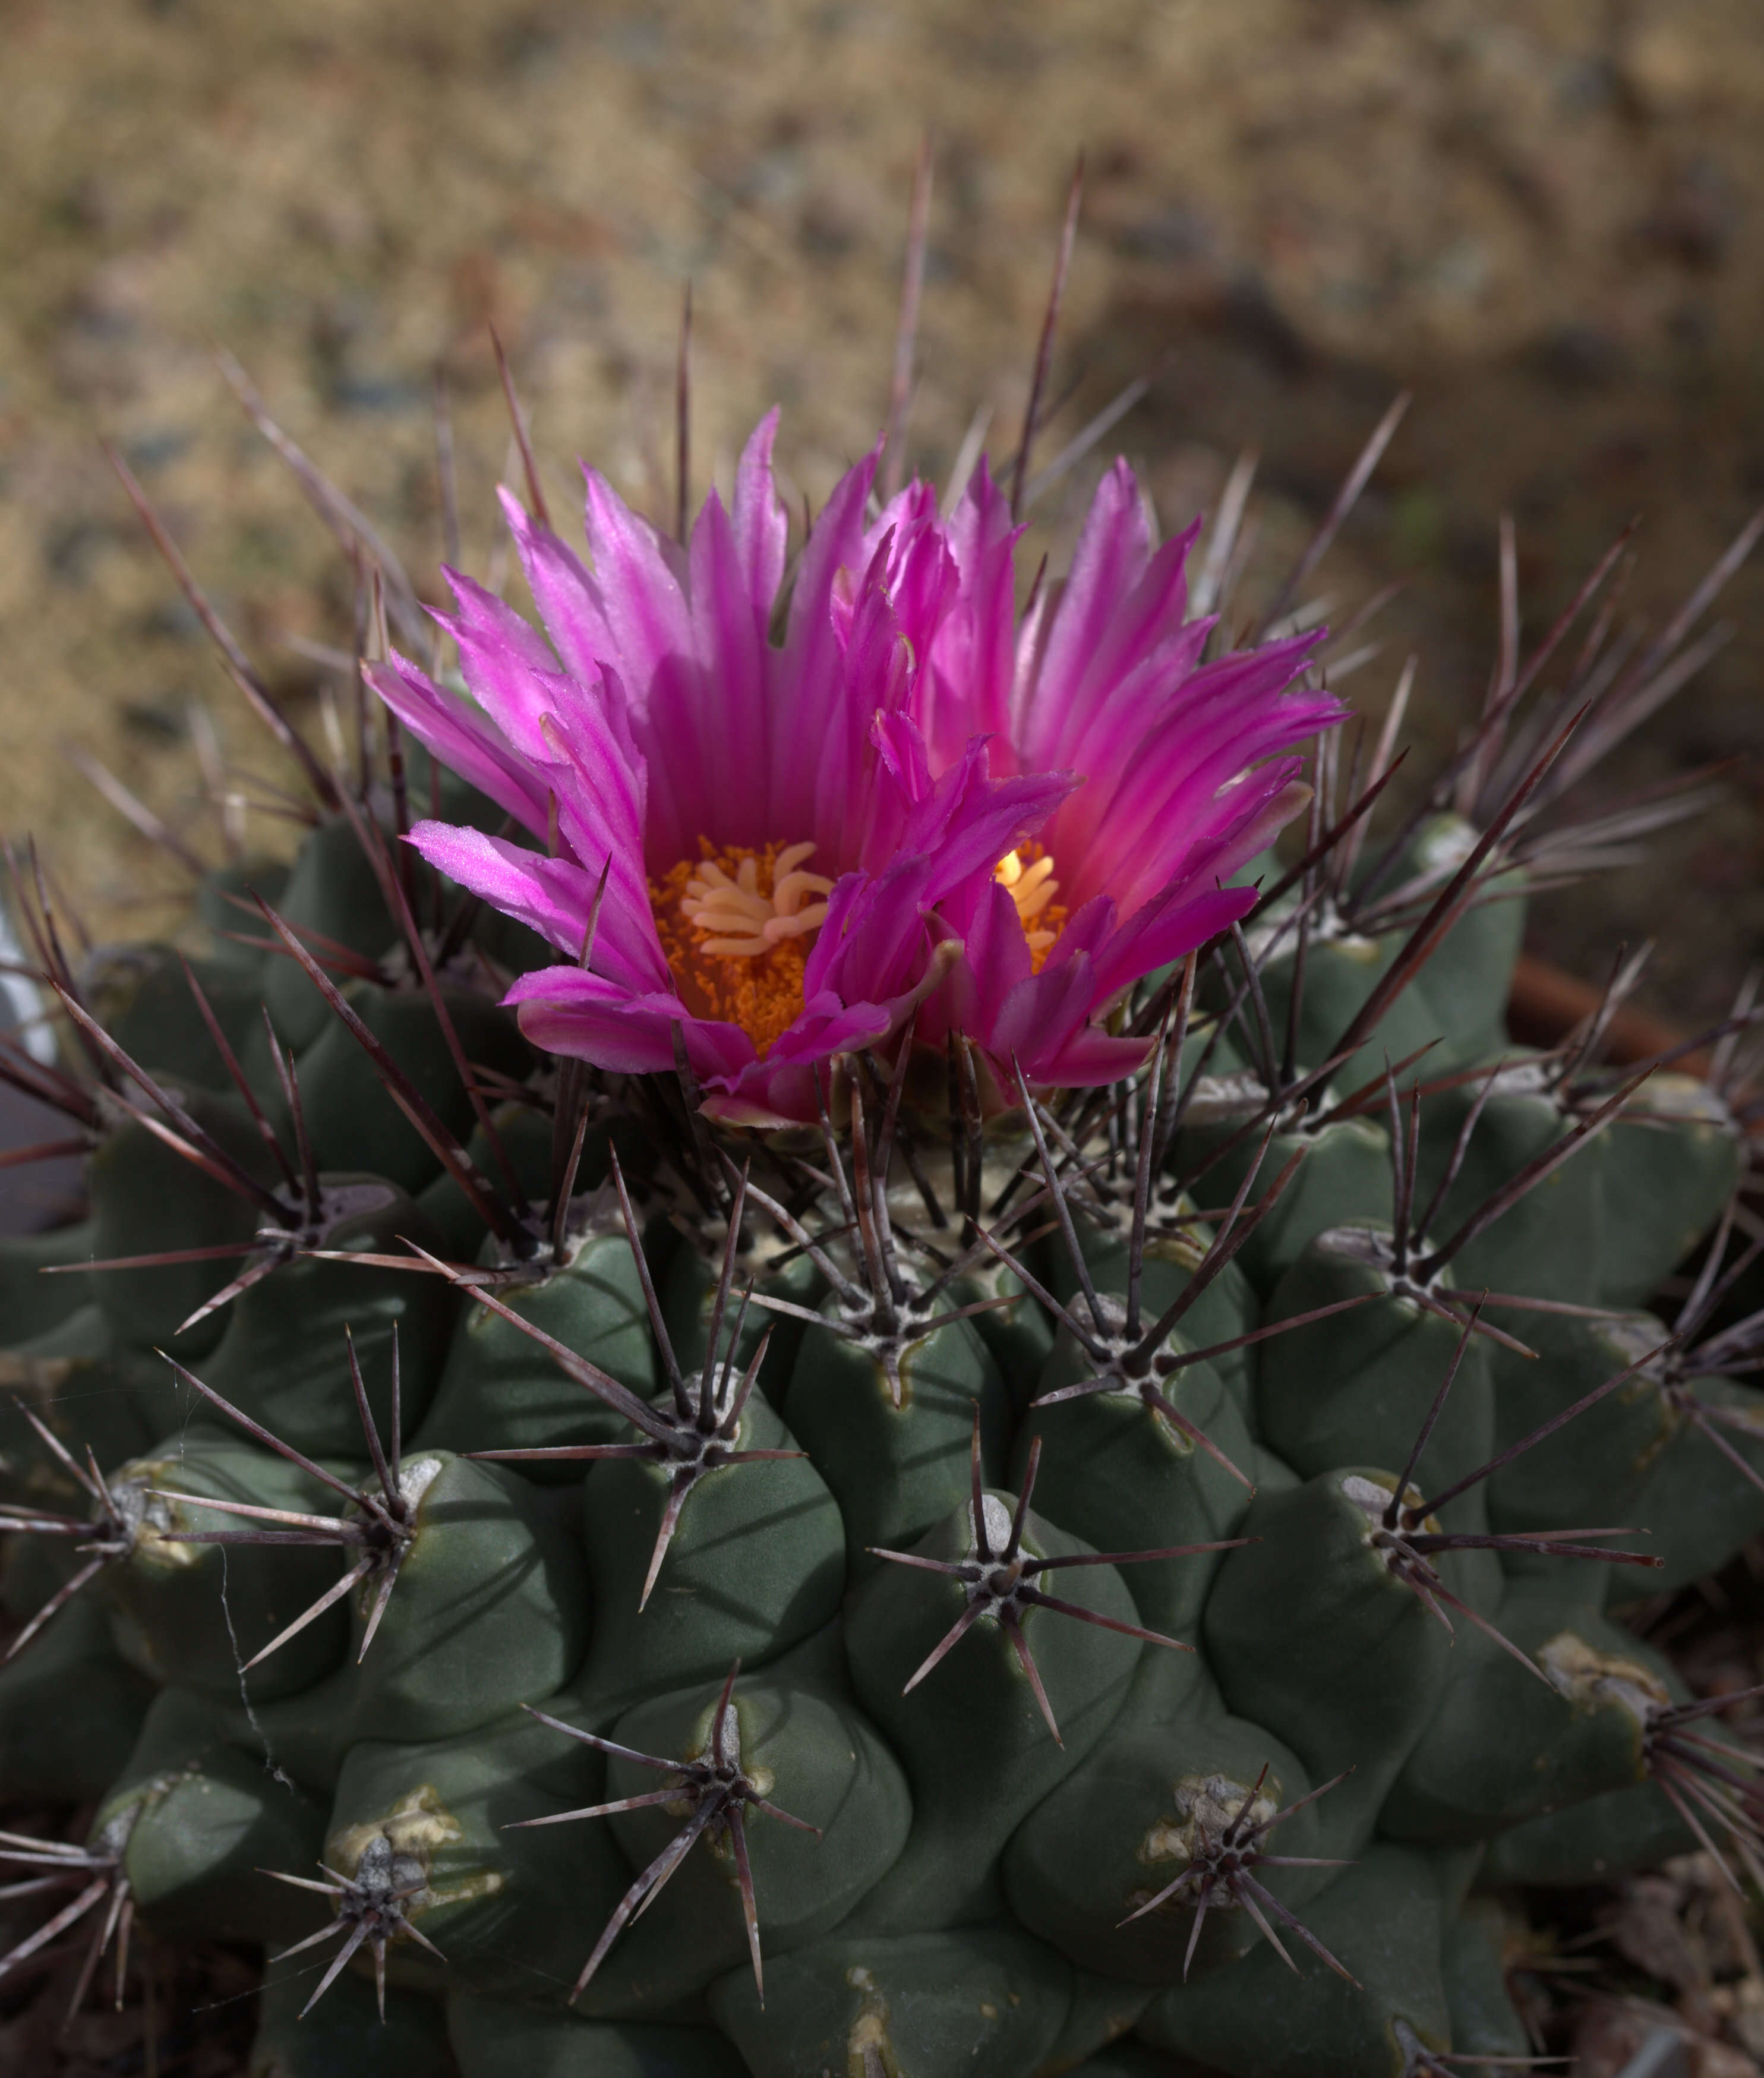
[1664, 67]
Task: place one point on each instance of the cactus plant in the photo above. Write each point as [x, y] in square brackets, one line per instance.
[649, 1460]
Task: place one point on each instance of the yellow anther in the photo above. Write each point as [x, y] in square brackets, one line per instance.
[1028, 872]
[737, 926]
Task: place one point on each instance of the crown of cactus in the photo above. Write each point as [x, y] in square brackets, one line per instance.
[822, 1383]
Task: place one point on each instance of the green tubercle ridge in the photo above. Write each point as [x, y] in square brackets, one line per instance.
[497, 1389]
[222, 904]
[85, 1388]
[689, 1284]
[1345, 1177]
[990, 1696]
[1677, 1156]
[1465, 981]
[1116, 1470]
[719, 1546]
[1384, 1919]
[889, 1432]
[345, 2035]
[1517, 1736]
[143, 996]
[1702, 1498]
[205, 1610]
[1596, 1468]
[61, 1755]
[1018, 1333]
[31, 1303]
[146, 1197]
[334, 902]
[1342, 967]
[829, 1815]
[1551, 1243]
[1473, 1962]
[1099, 2014]
[1097, 1867]
[1313, 1631]
[1604, 1837]
[1174, 1250]
[503, 1905]
[489, 1608]
[983, 2001]
[283, 1356]
[492, 2039]
[1353, 1388]
[193, 1822]
[352, 1115]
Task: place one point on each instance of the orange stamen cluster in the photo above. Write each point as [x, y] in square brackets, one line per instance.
[737, 926]
[1028, 873]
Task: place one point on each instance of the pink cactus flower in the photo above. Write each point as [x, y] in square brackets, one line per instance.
[772, 869]
[916, 801]
[1178, 772]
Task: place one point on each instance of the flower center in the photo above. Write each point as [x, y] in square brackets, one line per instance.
[1028, 872]
[737, 926]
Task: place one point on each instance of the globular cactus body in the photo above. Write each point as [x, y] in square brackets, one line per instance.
[901, 1566]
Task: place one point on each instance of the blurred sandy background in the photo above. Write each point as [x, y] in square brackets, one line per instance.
[1546, 215]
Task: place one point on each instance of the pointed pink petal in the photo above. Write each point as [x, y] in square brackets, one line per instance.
[728, 695]
[463, 738]
[762, 528]
[966, 688]
[641, 595]
[568, 598]
[564, 1011]
[556, 898]
[811, 684]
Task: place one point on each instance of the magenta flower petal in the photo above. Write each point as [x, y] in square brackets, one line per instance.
[1186, 784]
[1166, 930]
[554, 897]
[1089, 1058]
[762, 527]
[811, 693]
[1043, 1014]
[968, 685]
[910, 561]
[658, 741]
[873, 676]
[567, 597]
[508, 667]
[876, 937]
[1120, 602]
[1171, 769]
[995, 960]
[547, 895]
[564, 1010]
[726, 692]
[972, 821]
[638, 582]
[1004, 822]
[463, 738]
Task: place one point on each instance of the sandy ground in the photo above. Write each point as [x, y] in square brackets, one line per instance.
[1544, 216]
